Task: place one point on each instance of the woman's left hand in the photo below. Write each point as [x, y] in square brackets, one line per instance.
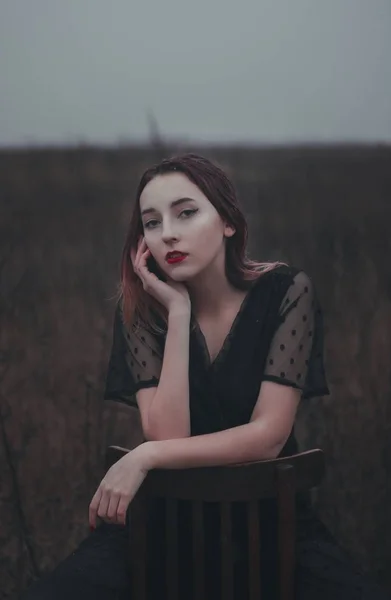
[118, 488]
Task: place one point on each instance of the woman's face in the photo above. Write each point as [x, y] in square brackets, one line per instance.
[177, 217]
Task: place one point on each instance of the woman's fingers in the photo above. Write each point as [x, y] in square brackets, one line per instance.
[113, 507]
[108, 506]
[142, 262]
[142, 246]
[121, 510]
[141, 267]
[93, 508]
[139, 258]
[135, 253]
[103, 505]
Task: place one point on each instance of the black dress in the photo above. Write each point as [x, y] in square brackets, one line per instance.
[276, 336]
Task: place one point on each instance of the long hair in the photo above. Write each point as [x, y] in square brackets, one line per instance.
[218, 189]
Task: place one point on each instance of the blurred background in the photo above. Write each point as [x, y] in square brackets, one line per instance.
[293, 99]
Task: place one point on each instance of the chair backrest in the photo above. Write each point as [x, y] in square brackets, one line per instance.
[281, 478]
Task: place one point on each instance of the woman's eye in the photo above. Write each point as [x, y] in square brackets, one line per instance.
[188, 212]
[184, 214]
[151, 224]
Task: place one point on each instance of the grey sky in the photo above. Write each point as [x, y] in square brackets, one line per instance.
[254, 70]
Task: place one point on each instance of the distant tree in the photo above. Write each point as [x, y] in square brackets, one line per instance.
[156, 139]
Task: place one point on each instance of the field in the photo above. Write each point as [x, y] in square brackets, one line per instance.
[63, 214]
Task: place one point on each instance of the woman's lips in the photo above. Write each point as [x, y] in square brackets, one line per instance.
[176, 259]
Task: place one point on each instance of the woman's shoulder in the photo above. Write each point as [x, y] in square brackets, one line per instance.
[284, 279]
[296, 276]
[287, 273]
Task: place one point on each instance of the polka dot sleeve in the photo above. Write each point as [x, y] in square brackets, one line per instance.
[295, 356]
[135, 361]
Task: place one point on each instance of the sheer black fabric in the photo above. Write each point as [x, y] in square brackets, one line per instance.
[135, 361]
[277, 335]
[296, 352]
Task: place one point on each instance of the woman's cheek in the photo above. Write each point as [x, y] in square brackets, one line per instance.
[150, 243]
[208, 239]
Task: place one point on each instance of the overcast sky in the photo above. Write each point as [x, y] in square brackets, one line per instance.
[251, 70]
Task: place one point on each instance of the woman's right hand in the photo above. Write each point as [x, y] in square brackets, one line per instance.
[170, 294]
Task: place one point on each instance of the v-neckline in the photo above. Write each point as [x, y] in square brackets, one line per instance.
[225, 345]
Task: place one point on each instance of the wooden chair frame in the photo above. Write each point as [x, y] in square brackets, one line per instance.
[281, 478]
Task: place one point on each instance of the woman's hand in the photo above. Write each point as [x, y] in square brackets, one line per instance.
[118, 487]
[170, 294]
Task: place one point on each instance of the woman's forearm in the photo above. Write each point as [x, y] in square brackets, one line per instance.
[246, 443]
[169, 413]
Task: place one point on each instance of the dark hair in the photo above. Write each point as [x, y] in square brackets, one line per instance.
[216, 186]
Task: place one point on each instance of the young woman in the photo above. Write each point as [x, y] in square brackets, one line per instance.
[218, 351]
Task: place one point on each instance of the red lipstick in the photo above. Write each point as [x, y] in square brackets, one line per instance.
[175, 257]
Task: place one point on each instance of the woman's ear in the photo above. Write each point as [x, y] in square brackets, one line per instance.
[229, 231]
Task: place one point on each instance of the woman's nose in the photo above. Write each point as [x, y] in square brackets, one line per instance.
[169, 233]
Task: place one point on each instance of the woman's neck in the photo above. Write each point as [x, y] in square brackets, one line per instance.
[211, 292]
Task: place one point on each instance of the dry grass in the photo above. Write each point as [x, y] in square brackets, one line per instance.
[63, 217]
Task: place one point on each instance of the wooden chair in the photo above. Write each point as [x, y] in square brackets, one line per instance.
[281, 478]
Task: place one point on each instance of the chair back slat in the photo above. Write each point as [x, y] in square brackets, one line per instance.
[138, 545]
[172, 566]
[226, 552]
[254, 552]
[286, 499]
[198, 550]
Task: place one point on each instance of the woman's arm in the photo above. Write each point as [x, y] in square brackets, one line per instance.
[165, 410]
[260, 439]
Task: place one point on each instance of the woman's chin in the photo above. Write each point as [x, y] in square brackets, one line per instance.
[181, 275]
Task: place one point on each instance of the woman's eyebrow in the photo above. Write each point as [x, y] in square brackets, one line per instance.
[174, 203]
